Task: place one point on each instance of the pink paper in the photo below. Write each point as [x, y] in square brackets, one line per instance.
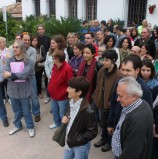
[17, 67]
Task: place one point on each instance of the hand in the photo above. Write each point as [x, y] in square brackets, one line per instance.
[110, 130]
[6, 74]
[65, 119]
[40, 64]
[154, 132]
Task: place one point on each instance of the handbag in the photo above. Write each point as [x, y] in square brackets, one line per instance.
[60, 134]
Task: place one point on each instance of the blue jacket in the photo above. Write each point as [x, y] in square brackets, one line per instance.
[116, 108]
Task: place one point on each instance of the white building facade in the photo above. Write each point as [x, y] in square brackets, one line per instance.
[126, 10]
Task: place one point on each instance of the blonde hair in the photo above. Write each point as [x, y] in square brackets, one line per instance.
[2, 39]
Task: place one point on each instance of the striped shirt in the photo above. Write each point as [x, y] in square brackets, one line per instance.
[116, 142]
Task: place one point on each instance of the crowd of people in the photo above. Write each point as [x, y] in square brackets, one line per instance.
[108, 75]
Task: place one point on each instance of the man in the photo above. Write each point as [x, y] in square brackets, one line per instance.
[131, 66]
[89, 39]
[95, 26]
[109, 25]
[100, 38]
[82, 124]
[107, 32]
[31, 53]
[133, 135]
[120, 34]
[45, 41]
[145, 38]
[106, 78]
[144, 25]
[135, 50]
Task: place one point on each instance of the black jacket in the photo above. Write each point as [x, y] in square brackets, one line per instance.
[137, 133]
[84, 127]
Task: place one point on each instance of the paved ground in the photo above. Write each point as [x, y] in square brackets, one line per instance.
[21, 146]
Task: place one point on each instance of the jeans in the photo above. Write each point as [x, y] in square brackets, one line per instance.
[79, 152]
[58, 110]
[22, 107]
[34, 98]
[3, 112]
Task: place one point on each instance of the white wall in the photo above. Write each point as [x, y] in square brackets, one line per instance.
[107, 9]
[61, 8]
[152, 18]
[28, 8]
[44, 6]
[6, 2]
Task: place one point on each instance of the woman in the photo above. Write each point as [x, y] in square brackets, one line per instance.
[70, 42]
[18, 71]
[144, 52]
[110, 42]
[39, 65]
[88, 67]
[3, 112]
[61, 73]
[77, 59]
[148, 73]
[106, 78]
[57, 43]
[134, 34]
[4, 55]
[125, 47]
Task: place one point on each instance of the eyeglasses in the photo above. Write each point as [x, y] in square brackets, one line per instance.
[87, 38]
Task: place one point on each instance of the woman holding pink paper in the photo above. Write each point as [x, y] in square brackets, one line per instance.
[18, 71]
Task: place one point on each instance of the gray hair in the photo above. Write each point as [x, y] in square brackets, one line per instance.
[23, 49]
[133, 87]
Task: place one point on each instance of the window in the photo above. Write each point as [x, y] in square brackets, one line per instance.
[136, 11]
[37, 8]
[18, 1]
[91, 9]
[73, 8]
[52, 7]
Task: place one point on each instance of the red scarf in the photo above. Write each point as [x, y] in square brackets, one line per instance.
[89, 76]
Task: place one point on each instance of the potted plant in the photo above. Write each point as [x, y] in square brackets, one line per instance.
[151, 8]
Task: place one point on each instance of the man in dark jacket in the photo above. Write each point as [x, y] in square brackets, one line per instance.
[82, 123]
[130, 67]
[145, 38]
[132, 138]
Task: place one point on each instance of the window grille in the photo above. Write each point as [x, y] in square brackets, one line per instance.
[91, 9]
[52, 7]
[73, 8]
[136, 11]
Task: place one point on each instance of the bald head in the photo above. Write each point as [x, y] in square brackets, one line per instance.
[135, 50]
[144, 23]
